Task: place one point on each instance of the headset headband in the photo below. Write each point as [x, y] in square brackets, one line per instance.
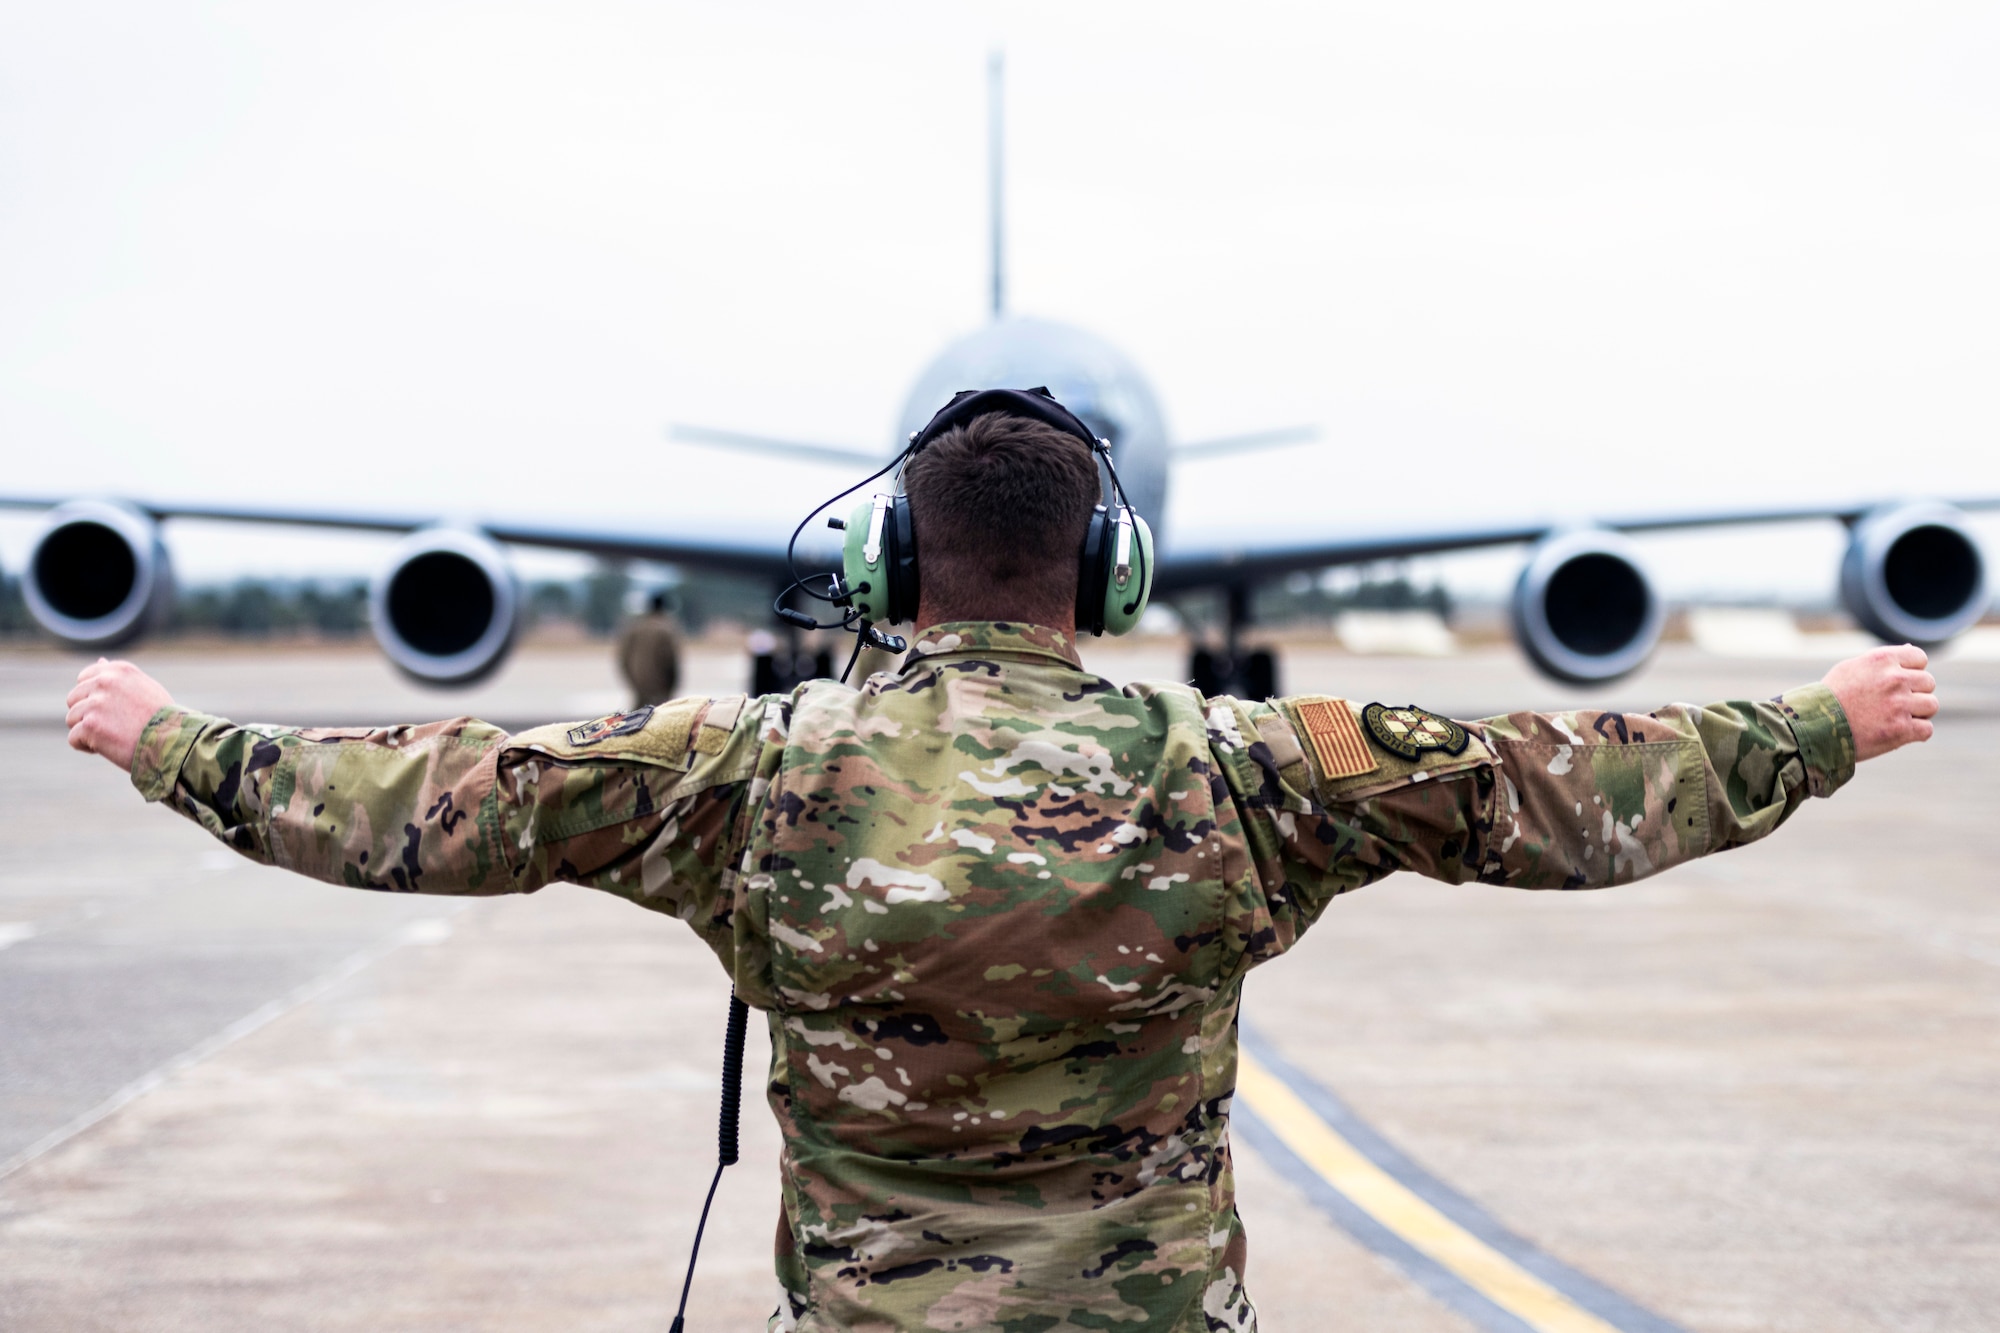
[1038, 404]
[879, 580]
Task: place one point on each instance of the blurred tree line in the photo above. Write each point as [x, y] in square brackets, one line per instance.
[258, 608]
[600, 602]
[597, 603]
[265, 608]
[14, 617]
[1305, 598]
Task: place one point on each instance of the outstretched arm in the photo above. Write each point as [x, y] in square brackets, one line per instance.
[1567, 800]
[456, 807]
[1586, 799]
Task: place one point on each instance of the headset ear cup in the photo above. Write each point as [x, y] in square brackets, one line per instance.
[1092, 569]
[867, 581]
[902, 559]
[883, 589]
[1125, 602]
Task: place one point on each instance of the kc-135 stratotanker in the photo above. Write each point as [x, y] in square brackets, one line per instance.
[446, 607]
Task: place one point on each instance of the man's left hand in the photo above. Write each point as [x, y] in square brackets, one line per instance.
[110, 706]
[1888, 697]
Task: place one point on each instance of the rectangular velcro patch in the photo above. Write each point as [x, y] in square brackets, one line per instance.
[1336, 738]
[717, 723]
[662, 739]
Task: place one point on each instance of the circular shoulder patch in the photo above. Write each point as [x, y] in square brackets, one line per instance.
[1409, 731]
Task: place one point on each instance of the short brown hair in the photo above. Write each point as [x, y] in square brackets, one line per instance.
[1000, 505]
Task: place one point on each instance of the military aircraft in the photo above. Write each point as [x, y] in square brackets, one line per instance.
[1584, 609]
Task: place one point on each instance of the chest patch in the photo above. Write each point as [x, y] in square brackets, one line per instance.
[1409, 731]
[616, 724]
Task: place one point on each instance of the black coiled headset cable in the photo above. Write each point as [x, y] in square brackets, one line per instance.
[732, 1085]
[725, 1134]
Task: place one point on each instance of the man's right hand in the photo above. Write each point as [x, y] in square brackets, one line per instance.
[1888, 697]
[109, 708]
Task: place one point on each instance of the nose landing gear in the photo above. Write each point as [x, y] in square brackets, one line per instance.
[780, 663]
[784, 668]
[1251, 674]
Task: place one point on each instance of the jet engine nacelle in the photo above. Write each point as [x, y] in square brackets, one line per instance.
[1913, 574]
[1585, 610]
[98, 574]
[446, 608]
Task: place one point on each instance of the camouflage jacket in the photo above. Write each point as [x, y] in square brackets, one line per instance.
[999, 913]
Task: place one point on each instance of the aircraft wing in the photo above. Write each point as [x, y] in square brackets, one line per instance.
[446, 609]
[753, 550]
[759, 552]
[1193, 561]
[1254, 555]
[1584, 609]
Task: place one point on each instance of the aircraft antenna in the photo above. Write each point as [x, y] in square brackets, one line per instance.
[996, 175]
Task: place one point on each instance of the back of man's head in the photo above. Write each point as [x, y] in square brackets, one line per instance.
[1000, 506]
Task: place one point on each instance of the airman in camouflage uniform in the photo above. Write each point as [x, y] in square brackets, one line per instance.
[649, 654]
[998, 913]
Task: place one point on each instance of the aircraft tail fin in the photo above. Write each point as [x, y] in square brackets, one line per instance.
[996, 180]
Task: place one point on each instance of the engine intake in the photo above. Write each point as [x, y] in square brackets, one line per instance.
[98, 575]
[1584, 610]
[446, 608]
[1913, 574]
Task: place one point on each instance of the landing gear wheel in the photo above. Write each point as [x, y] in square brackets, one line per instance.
[780, 672]
[1203, 672]
[1260, 675]
[1255, 676]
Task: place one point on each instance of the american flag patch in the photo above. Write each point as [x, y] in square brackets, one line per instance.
[1336, 738]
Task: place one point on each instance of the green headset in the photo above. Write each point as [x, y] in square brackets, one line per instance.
[879, 572]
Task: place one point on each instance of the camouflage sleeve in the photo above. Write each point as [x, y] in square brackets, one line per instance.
[1573, 800]
[644, 804]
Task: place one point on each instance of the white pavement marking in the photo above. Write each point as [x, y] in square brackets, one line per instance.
[594, 703]
[1981, 643]
[1395, 633]
[428, 930]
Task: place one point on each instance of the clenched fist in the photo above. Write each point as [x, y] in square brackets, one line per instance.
[110, 706]
[1888, 696]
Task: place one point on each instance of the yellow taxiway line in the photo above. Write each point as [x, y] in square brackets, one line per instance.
[1394, 1205]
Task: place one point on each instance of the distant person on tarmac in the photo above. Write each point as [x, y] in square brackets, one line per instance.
[998, 910]
[649, 654]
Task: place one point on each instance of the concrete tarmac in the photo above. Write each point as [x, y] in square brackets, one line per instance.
[1755, 1093]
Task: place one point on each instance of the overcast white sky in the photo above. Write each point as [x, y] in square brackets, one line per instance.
[1511, 259]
